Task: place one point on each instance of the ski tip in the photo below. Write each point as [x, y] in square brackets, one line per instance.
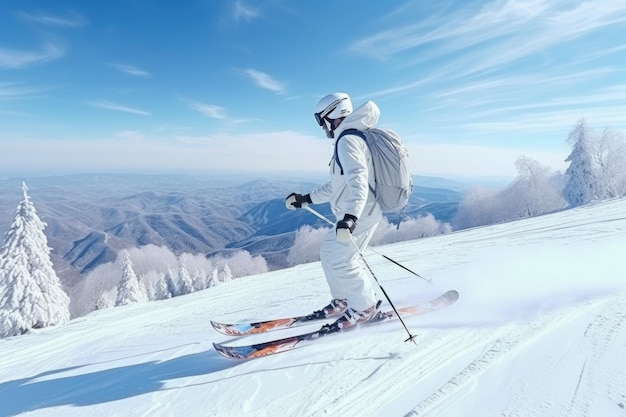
[226, 352]
[220, 327]
[217, 324]
[450, 296]
[232, 329]
[218, 348]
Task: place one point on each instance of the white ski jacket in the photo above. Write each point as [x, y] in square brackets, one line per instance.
[350, 193]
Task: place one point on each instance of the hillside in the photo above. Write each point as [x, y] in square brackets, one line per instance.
[539, 331]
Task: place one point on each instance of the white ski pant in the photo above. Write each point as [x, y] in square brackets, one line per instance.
[346, 277]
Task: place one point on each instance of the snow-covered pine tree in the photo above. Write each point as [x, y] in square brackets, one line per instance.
[184, 279]
[103, 302]
[129, 290]
[31, 295]
[200, 280]
[151, 290]
[161, 290]
[225, 274]
[172, 287]
[581, 186]
[215, 279]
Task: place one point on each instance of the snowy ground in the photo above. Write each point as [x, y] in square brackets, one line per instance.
[539, 330]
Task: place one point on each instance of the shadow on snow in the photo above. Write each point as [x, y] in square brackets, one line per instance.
[45, 390]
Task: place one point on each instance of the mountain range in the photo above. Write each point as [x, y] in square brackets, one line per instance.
[90, 217]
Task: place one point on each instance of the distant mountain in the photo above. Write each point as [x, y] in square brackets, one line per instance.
[90, 251]
[439, 183]
[274, 226]
[91, 217]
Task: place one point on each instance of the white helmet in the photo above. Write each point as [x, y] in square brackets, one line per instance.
[333, 106]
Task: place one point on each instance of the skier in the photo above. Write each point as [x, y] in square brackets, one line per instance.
[351, 200]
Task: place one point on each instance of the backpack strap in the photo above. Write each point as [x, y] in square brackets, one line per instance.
[355, 132]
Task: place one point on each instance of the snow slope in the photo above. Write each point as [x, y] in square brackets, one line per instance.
[539, 330]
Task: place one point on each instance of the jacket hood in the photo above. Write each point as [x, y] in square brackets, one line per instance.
[362, 118]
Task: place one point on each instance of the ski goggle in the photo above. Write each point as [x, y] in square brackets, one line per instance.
[319, 117]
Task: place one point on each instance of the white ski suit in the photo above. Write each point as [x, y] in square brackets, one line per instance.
[350, 193]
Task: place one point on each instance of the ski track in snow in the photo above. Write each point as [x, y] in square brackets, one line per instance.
[597, 337]
[539, 331]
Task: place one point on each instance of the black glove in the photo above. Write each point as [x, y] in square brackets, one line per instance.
[296, 201]
[345, 228]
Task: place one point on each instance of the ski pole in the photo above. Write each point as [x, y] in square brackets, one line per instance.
[369, 247]
[411, 336]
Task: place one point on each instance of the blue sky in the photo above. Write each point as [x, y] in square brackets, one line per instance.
[159, 86]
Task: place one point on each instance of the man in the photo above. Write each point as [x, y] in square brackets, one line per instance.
[351, 200]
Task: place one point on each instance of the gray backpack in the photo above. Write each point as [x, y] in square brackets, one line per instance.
[393, 181]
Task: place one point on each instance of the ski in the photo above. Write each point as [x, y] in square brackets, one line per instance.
[247, 328]
[289, 343]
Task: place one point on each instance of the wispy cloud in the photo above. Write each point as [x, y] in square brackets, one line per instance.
[398, 89]
[602, 99]
[73, 20]
[604, 52]
[505, 32]
[11, 58]
[265, 81]
[556, 121]
[14, 90]
[245, 12]
[131, 70]
[108, 105]
[517, 85]
[210, 110]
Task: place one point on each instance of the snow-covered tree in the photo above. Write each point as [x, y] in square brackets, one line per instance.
[172, 285]
[306, 245]
[200, 280]
[581, 185]
[479, 207]
[409, 229]
[129, 290]
[31, 295]
[153, 264]
[215, 276]
[150, 288]
[242, 264]
[185, 284]
[534, 191]
[104, 301]
[161, 291]
[609, 155]
[225, 274]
